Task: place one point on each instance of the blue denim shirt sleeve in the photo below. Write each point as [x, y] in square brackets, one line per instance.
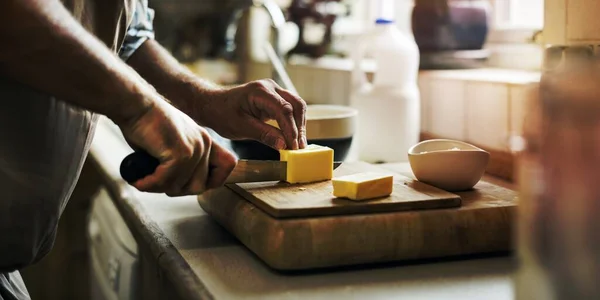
[140, 29]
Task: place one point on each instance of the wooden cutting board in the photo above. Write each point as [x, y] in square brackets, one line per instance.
[285, 200]
[482, 224]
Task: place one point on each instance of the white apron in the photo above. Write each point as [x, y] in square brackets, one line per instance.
[44, 142]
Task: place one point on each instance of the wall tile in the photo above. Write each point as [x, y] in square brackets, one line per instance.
[447, 108]
[311, 86]
[339, 87]
[519, 99]
[297, 76]
[425, 93]
[256, 71]
[487, 114]
[322, 84]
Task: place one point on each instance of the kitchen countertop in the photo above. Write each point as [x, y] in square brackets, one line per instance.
[205, 261]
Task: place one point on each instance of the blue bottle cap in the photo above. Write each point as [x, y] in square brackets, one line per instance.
[384, 21]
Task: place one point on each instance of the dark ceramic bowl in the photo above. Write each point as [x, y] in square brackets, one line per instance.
[332, 126]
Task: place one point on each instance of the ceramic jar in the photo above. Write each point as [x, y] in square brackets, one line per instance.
[450, 25]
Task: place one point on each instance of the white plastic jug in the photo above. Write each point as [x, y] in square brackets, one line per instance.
[389, 106]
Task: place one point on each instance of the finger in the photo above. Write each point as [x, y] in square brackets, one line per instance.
[221, 163]
[171, 175]
[196, 184]
[155, 182]
[283, 112]
[265, 134]
[299, 106]
[167, 178]
[186, 170]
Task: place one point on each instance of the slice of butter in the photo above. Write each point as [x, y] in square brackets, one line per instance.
[363, 186]
[311, 164]
[273, 123]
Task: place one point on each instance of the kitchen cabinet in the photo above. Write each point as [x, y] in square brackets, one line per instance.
[571, 22]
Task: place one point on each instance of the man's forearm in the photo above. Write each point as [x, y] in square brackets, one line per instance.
[234, 113]
[172, 79]
[44, 47]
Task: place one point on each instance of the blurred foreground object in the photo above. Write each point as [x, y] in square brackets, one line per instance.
[559, 168]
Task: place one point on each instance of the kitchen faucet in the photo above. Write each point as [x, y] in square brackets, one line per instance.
[277, 23]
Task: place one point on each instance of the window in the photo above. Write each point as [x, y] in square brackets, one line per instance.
[512, 21]
[513, 24]
[515, 21]
[519, 14]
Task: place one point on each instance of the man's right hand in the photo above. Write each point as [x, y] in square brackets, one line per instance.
[96, 79]
[190, 162]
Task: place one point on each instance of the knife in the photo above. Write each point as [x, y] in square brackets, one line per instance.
[140, 164]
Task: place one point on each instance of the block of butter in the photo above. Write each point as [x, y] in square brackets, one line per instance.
[273, 123]
[311, 164]
[363, 186]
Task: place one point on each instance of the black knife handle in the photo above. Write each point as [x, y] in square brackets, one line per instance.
[138, 165]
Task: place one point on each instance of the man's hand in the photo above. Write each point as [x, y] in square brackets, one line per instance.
[189, 162]
[241, 112]
[236, 113]
[97, 80]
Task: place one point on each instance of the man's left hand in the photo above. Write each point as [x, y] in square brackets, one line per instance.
[241, 113]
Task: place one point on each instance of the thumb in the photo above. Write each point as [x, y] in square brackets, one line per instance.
[221, 162]
[266, 134]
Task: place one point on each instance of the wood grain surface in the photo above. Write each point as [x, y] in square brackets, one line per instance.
[285, 200]
[482, 224]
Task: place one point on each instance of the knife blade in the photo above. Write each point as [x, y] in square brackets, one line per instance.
[140, 164]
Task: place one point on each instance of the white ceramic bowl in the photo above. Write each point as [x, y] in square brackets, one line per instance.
[448, 164]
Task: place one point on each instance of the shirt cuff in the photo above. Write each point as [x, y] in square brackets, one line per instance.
[140, 30]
